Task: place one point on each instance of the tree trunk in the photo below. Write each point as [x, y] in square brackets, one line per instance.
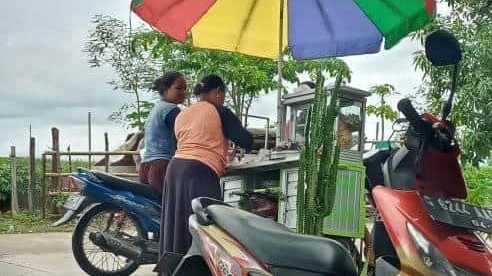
[246, 110]
[382, 118]
[382, 128]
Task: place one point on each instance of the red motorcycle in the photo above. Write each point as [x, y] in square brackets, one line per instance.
[423, 226]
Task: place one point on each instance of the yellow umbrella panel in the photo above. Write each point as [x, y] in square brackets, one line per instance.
[248, 26]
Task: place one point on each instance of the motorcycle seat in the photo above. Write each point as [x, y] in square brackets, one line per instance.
[278, 246]
[122, 184]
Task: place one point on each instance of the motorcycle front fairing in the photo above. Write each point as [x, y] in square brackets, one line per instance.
[440, 174]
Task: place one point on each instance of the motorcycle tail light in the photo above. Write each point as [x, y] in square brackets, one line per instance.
[79, 184]
[219, 260]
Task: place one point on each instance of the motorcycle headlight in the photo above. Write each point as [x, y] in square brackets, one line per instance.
[430, 255]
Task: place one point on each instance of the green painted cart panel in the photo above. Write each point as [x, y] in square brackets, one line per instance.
[348, 216]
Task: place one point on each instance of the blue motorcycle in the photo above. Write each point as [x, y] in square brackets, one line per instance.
[118, 226]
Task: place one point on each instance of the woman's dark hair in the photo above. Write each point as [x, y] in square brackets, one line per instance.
[208, 84]
[162, 84]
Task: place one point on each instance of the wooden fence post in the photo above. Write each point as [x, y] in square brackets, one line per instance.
[106, 148]
[55, 158]
[69, 160]
[43, 186]
[13, 183]
[32, 172]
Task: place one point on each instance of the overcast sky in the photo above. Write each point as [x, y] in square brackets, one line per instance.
[45, 80]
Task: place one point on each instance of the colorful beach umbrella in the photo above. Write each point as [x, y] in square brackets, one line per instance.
[310, 28]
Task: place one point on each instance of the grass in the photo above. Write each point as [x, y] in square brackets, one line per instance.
[26, 222]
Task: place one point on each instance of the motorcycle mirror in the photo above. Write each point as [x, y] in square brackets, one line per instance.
[442, 48]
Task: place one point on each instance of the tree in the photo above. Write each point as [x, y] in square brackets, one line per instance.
[140, 55]
[471, 23]
[109, 44]
[382, 110]
[246, 77]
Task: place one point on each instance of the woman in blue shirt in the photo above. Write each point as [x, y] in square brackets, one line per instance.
[159, 139]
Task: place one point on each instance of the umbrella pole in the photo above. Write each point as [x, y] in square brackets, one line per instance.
[280, 123]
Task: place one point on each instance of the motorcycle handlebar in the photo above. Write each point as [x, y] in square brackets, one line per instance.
[406, 107]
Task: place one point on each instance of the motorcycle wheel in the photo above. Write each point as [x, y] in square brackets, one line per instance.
[93, 259]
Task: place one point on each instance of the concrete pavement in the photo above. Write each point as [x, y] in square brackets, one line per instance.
[43, 254]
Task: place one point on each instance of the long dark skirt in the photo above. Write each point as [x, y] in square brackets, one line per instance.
[185, 180]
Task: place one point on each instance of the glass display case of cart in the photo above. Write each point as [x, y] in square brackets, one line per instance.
[350, 120]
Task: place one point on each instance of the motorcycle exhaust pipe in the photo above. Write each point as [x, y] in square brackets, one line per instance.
[114, 245]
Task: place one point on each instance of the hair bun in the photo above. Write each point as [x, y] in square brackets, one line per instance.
[209, 83]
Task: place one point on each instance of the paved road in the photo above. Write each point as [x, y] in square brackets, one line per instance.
[42, 255]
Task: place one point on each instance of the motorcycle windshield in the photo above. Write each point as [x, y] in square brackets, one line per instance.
[440, 175]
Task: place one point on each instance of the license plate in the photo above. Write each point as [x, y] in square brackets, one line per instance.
[460, 214]
[74, 202]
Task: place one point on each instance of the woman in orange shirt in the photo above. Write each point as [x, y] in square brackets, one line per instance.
[203, 132]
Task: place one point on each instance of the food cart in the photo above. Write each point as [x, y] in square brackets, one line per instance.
[277, 170]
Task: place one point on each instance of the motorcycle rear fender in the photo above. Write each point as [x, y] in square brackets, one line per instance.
[71, 214]
[193, 262]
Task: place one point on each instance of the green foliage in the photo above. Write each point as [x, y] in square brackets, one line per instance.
[109, 45]
[479, 185]
[29, 223]
[22, 178]
[139, 56]
[319, 160]
[246, 77]
[471, 23]
[59, 199]
[128, 114]
[383, 110]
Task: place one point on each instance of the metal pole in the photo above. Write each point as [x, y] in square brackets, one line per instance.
[14, 200]
[279, 64]
[106, 148]
[267, 132]
[90, 136]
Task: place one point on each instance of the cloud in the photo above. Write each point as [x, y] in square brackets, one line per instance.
[44, 77]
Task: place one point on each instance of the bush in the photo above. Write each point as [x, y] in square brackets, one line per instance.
[23, 180]
[26, 222]
[479, 185]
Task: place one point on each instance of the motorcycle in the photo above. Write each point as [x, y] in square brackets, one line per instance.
[424, 227]
[231, 241]
[118, 228]
[119, 222]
